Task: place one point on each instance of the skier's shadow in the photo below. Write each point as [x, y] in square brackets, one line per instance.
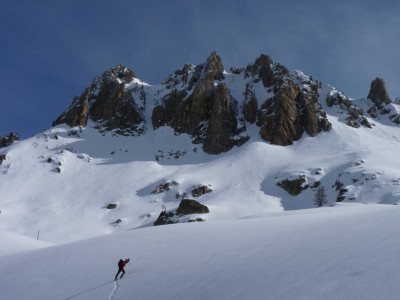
[88, 290]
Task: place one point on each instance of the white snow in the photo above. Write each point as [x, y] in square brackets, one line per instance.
[258, 241]
[12, 243]
[344, 252]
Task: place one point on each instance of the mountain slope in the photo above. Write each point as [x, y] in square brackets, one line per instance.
[342, 252]
[13, 243]
[253, 145]
[63, 180]
[67, 196]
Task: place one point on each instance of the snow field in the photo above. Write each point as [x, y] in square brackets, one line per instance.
[344, 252]
[258, 241]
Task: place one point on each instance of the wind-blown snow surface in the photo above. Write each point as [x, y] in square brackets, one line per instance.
[349, 251]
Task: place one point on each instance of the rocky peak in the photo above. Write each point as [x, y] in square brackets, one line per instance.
[214, 66]
[203, 108]
[124, 74]
[109, 103]
[186, 69]
[207, 73]
[179, 78]
[210, 75]
[262, 63]
[197, 100]
[279, 117]
[267, 71]
[293, 107]
[354, 116]
[378, 93]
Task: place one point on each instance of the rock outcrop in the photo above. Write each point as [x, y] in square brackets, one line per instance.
[250, 107]
[188, 207]
[378, 93]
[354, 116]
[164, 187]
[263, 69]
[294, 186]
[292, 109]
[279, 119]
[381, 102]
[202, 102]
[110, 103]
[111, 206]
[6, 141]
[2, 158]
[204, 109]
[201, 190]
[165, 218]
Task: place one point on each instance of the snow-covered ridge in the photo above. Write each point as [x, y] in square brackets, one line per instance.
[103, 188]
[61, 181]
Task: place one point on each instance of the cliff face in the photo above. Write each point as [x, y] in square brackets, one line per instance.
[292, 108]
[203, 108]
[110, 103]
[378, 93]
[212, 106]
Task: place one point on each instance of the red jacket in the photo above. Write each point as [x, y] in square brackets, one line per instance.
[121, 263]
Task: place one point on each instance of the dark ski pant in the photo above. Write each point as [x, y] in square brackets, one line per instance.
[119, 271]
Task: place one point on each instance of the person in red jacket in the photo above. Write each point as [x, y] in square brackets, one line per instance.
[121, 265]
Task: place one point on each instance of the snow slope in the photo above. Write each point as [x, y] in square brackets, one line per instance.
[344, 252]
[258, 241]
[13, 243]
[60, 181]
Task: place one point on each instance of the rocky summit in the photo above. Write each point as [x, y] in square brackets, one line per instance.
[110, 102]
[378, 93]
[202, 107]
[215, 107]
[207, 143]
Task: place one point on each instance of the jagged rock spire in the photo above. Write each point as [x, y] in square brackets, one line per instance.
[269, 72]
[108, 102]
[378, 93]
[207, 113]
[121, 72]
[262, 67]
[214, 64]
[197, 100]
[291, 110]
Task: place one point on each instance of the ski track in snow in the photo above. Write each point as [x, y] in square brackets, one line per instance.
[343, 252]
[86, 291]
[114, 291]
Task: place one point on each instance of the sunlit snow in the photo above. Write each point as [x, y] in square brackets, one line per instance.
[59, 241]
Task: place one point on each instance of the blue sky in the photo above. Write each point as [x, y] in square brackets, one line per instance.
[51, 50]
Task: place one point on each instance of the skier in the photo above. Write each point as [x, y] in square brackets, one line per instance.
[121, 265]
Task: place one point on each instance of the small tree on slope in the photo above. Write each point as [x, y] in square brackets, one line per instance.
[320, 196]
